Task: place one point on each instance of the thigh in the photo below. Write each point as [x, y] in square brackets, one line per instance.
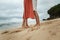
[34, 4]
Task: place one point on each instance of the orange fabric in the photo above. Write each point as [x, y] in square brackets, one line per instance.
[28, 9]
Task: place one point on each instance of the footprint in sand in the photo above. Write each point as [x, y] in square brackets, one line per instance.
[18, 30]
[5, 32]
[28, 38]
[15, 31]
[52, 33]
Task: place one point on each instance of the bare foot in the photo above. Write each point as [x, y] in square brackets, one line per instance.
[37, 26]
[25, 27]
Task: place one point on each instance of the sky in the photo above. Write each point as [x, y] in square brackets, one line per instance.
[15, 7]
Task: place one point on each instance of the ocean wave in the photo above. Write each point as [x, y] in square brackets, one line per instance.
[8, 18]
[5, 26]
[8, 24]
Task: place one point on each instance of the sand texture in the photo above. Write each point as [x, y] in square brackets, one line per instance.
[49, 30]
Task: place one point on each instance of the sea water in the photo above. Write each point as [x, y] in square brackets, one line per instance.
[10, 22]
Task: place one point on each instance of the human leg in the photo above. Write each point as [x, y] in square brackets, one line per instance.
[37, 18]
[25, 24]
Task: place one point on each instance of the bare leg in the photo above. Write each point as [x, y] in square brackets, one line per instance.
[25, 24]
[37, 19]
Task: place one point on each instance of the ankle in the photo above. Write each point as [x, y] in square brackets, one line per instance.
[38, 24]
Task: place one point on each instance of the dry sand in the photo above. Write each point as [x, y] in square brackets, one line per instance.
[49, 30]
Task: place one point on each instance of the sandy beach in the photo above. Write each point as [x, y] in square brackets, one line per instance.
[49, 30]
